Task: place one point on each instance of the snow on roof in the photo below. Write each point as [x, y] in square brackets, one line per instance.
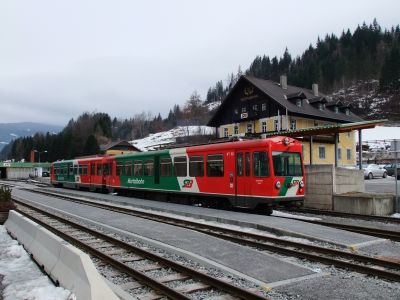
[169, 137]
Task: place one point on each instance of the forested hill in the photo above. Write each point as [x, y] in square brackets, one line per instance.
[369, 54]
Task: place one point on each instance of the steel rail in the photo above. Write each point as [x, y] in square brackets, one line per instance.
[232, 234]
[344, 215]
[219, 284]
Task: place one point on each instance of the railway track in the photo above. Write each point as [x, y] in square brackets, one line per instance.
[345, 215]
[342, 259]
[136, 263]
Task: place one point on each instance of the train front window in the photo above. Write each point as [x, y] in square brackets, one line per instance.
[260, 164]
[287, 163]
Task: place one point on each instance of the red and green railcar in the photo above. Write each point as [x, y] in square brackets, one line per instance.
[251, 173]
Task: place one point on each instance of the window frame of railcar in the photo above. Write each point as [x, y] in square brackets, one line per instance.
[214, 165]
[258, 171]
[70, 170]
[166, 167]
[196, 166]
[148, 167]
[247, 164]
[106, 169]
[239, 164]
[179, 161]
[99, 169]
[75, 169]
[120, 168]
[137, 168]
[128, 168]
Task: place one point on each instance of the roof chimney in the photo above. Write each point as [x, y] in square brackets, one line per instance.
[315, 89]
[283, 82]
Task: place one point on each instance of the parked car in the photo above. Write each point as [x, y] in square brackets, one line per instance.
[373, 170]
[390, 170]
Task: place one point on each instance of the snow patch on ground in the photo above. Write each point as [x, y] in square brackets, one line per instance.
[397, 215]
[286, 215]
[22, 277]
[169, 137]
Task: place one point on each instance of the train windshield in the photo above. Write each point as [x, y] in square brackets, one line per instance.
[287, 163]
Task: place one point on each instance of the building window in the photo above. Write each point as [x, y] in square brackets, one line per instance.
[249, 128]
[321, 152]
[348, 134]
[243, 109]
[255, 107]
[339, 154]
[264, 106]
[236, 129]
[276, 125]
[225, 132]
[293, 124]
[320, 106]
[348, 154]
[315, 123]
[298, 102]
[347, 111]
[336, 109]
[264, 126]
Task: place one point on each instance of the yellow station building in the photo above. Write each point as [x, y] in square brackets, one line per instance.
[259, 107]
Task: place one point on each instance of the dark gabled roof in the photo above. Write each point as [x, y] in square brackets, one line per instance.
[296, 95]
[124, 144]
[317, 99]
[274, 91]
[335, 103]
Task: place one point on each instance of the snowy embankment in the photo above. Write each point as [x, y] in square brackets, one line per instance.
[169, 137]
[22, 278]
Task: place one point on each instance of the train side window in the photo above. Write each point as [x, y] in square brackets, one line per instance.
[215, 165]
[260, 164]
[247, 164]
[239, 164]
[99, 170]
[196, 166]
[76, 170]
[120, 168]
[148, 167]
[166, 167]
[92, 168]
[106, 170]
[180, 165]
[85, 170]
[137, 168]
[80, 170]
[128, 168]
[70, 170]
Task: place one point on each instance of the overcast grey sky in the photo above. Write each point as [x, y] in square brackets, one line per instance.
[61, 58]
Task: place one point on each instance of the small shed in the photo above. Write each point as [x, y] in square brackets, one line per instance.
[22, 170]
[119, 147]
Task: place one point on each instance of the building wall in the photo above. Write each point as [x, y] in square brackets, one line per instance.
[346, 140]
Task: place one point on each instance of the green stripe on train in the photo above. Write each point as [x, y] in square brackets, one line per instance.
[285, 186]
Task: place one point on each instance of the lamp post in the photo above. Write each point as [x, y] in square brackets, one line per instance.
[38, 152]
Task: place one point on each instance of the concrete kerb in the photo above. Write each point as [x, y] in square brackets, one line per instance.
[76, 272]
[46, 249]
[23, 229]
[64, 263]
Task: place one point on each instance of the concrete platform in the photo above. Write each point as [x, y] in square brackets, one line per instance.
[236, 259]
[275, 225]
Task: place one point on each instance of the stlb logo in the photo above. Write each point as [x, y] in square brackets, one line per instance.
[187, 183]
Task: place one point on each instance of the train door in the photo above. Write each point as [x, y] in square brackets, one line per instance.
[243, 177]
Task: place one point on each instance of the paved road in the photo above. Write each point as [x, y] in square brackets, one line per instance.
[382, 185]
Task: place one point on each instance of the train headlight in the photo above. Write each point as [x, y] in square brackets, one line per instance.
[278, 185]
[301, 184]
[286, 141]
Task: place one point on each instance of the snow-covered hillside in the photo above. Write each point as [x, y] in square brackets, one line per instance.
[153, 141]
